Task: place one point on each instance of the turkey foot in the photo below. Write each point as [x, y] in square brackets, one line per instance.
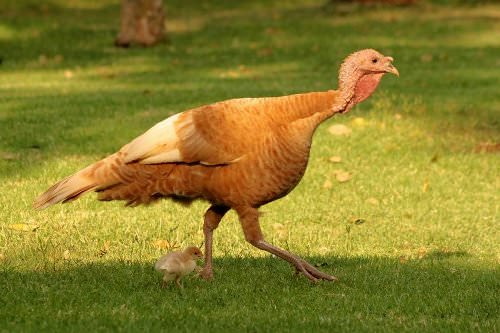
[302, 266]
[206, 273]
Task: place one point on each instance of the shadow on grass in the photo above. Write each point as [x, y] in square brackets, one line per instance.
[255, 295]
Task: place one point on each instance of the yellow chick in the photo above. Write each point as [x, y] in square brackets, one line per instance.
[175, 265]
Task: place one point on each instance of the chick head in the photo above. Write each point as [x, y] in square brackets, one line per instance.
[194, 252]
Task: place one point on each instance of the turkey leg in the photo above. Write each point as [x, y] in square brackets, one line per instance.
[249, 218]
[212, 218]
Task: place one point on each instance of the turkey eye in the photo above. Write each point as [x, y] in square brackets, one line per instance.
[374, 60]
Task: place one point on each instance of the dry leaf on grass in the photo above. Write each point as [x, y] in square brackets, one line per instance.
[104, 250]
[425, 187]
[372, 201]
[342, 176]
[422, 252]
[359, 221]
[68, 74]
[335, 159]
[359, 122]
[164, 244]
[161, 244]
[23, 227]
[327, 184]
[8, 156]
[66, 255]
[487, 147]
[339, 130]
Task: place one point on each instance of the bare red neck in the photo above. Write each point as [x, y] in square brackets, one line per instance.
[356, 88]
[366, 86]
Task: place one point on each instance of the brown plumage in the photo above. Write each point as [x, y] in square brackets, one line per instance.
[238, 154]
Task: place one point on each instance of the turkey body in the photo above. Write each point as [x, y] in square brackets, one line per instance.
[264, 155]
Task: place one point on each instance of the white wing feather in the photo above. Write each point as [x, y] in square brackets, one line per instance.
[162, 144]
[157, 145]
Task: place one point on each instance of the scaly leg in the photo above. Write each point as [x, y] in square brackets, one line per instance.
[178, 281]
[249, 218]
[213, 217]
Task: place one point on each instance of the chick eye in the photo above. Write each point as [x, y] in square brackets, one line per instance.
[374, 60]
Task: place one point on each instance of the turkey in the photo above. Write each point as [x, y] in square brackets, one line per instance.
[237, 154]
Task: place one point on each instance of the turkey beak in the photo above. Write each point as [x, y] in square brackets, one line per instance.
[390, 68]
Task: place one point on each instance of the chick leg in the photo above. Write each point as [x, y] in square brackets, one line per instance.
[213, 217]
[249, 219]
[178, 281]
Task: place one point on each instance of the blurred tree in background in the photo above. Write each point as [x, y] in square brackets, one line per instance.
[142, 22]
[390, 2]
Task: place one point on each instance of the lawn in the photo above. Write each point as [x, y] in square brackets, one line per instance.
[412, 235]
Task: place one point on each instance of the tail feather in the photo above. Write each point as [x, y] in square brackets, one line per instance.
[65, 190]
[91, 178]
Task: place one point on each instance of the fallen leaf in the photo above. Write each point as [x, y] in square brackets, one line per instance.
[421, 253]
[335, 159]
[23, 227]
[68, 74]
[487, 147]
[359, 221]
[161, 244]
[425, 187]
[104, 250]
[8, 156]
[342, 176]
[372, 201]
[327, 184]
[339, 130]
[164, 244]
[359, 121]
[398, 116]
[231, 74]
[66, 255]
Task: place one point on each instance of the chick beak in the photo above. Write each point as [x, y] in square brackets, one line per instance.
[390, 68]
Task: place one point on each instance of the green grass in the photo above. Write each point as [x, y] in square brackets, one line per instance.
[427, 257]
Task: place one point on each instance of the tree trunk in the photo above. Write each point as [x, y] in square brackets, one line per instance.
[142, 22]
[388, 2]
